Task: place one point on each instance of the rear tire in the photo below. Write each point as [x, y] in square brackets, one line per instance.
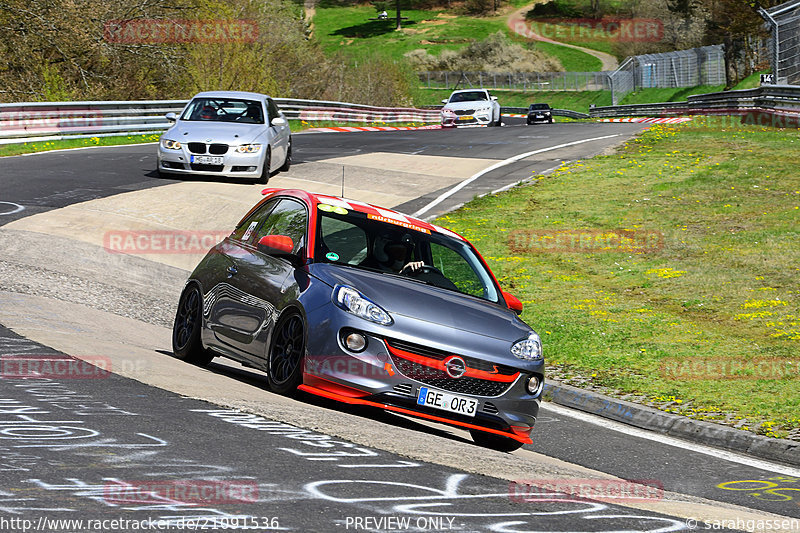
[286, 353]
[495, 442]
[265, 174]
[186, 343]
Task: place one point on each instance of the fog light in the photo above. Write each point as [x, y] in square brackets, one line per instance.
[533, 385]
[355, 342]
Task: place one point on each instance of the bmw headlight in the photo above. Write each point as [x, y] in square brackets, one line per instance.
[448, 112]
[169, 144]
[248, 148]
[529, 349]
[356, 303]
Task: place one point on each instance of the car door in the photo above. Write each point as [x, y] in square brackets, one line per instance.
[261, 279]
[279, 135]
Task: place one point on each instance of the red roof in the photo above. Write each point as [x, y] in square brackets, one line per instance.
[373, 211]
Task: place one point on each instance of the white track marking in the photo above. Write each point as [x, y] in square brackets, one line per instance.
[15, 208]
[500, 164]
[82, 148]
[672, 441]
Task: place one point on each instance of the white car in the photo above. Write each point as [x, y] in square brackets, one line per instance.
[470, 107]
[227, 133]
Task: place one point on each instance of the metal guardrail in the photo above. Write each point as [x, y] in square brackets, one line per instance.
[778, 100]
[556, 112]
[43, 121]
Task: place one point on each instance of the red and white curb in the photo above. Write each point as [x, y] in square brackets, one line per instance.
[350, 129]
[649, 120]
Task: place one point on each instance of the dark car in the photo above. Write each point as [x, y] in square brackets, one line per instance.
[539, 113]
[367, 306]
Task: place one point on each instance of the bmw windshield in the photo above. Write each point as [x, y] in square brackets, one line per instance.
[224, 110]
[357, 240]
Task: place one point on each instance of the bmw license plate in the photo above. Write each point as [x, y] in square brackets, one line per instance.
[447, 402]
[207, 159]
[466, 118]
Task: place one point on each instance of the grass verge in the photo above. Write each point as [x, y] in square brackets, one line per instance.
[704, 324]
[44, 146]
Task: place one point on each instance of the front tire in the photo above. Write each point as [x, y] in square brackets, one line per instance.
[265, 174]
[495, 442]
[186, 343]
[286, 353]
[287, 163]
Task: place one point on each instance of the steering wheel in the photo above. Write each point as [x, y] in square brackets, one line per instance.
[424, 269]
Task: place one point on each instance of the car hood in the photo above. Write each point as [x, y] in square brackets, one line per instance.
[221, 132]
[424, 302]
[480, 104]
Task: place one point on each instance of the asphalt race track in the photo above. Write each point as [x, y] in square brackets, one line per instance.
[212, 449]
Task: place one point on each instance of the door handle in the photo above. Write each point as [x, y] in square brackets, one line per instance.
[232, 271]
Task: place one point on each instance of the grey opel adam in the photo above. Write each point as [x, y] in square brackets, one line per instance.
[367, 306]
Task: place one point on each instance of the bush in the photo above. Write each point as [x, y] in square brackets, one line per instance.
[496, 53]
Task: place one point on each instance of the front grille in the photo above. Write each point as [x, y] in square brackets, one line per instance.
[218, 149]
[465, 111]
[197, 148]
[477, 364]
[404, 388]
[207, 168]
[441, 380]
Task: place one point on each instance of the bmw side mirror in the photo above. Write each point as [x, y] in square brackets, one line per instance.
[278, 246]
[513, 302]
[444, 101]
[494, 98]
[172, 117]
[278, 121]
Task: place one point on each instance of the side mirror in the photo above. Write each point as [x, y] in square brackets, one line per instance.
[444, 101]
[494, 98]
[275, 244]
[278, 246]
[172, 117]
[278, 121]
[513, 302]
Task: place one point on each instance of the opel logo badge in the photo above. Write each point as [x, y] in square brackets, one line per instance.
[455, 366]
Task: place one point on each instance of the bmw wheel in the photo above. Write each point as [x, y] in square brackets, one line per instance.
[286, 352]
[495, 442]
[186, 343]
[267, 164]
[288, 161]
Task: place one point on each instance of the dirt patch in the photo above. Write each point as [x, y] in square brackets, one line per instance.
[446, 41]
[432, 22]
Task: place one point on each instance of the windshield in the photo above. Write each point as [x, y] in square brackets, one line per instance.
[224, 110]
[364, 241]
[469, 96]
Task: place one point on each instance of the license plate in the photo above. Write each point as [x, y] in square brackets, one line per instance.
[447, 402]
[539, 116]
[207, 159]
[466, 117]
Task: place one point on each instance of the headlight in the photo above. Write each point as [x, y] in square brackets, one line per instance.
[354, 302]
[248, 148]
[169, 144]
[484, 111]
[448, 112]
[529, 349]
